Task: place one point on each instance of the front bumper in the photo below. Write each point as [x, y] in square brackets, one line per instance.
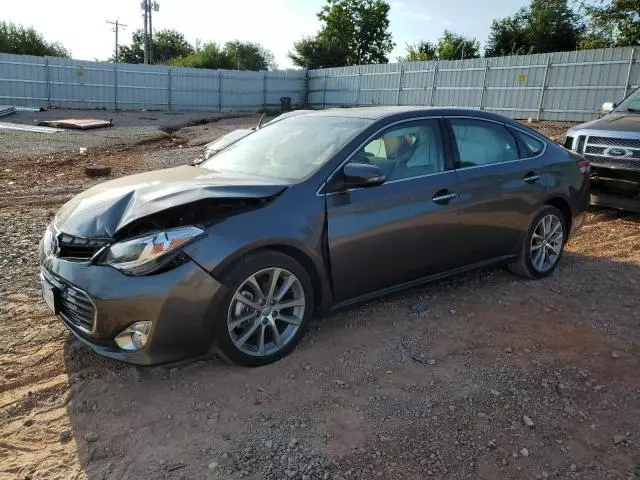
[179, 303]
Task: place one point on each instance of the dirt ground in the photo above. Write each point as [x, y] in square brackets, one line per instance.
[486, 376]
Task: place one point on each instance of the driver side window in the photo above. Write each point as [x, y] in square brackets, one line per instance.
[409, 150]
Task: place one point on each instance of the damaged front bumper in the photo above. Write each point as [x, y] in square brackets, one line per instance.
[97, 303]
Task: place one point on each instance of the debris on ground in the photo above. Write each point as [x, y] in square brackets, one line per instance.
[77, 123]
[97, 171]
[28, 128]
[6, 110]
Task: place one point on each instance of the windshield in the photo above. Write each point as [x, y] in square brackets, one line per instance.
[631, 103]
[291, 148]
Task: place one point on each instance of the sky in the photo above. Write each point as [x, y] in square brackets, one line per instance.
[80, 25]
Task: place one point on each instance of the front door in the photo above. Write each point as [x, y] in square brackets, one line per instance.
[501, 184]
[402, 230]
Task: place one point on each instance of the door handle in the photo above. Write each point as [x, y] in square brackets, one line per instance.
[443, 197]
[531, 178]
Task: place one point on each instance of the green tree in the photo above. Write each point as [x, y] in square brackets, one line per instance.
[27, 41]
[611, 23]
[543, 26]
[249, 56]
[508, 36]
[553, 26]
[210, 55]
[452, 46]
[353, 32]
[319, 52]
[167, 45]
[234, 55]
[419, 52]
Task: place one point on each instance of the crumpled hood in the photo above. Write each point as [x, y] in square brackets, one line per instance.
[614, 122]
[106, 208]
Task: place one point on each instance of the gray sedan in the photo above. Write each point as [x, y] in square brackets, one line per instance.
[305, 215]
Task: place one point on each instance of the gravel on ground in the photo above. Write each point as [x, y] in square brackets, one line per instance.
[485, 376]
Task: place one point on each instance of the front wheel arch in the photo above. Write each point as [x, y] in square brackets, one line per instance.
[321, 295]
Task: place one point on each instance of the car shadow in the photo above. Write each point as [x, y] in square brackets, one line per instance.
[169, 421]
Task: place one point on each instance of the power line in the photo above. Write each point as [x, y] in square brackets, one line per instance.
[116, 28]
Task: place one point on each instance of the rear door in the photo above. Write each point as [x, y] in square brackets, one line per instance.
[405, 228]
[500, 186]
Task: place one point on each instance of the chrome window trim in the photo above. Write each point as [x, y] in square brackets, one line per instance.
[364, 143]
[436, 117]
[544, 149]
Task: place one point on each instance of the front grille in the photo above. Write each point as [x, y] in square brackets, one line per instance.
[598, 152]
[76, 306]
[615, 142]
[580, 147]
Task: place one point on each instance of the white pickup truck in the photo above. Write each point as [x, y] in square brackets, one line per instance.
[612, 146]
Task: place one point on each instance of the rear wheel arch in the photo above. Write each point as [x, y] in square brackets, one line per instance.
[563, 205]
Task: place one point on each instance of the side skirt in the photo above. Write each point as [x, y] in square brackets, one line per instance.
[422, 281]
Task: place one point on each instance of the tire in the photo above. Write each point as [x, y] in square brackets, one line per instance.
[528, 265]
[234, 319]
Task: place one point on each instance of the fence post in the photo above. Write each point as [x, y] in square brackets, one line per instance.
[264, 90]
[544, 87]
[626, 85]
[219, 91]
[433, 86]
[484, 85]
[400, 84]
[358, 85]
[169, 88]
[324, 89]
[115, 85]
[48, 82]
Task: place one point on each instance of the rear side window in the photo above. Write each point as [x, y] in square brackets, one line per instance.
[482, 143]
[532, 145]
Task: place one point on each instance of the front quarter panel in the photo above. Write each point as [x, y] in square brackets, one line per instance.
[295, 219]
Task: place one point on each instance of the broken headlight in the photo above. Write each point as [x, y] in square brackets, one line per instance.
[147, 253]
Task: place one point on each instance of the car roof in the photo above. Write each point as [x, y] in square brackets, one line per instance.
[382, 112]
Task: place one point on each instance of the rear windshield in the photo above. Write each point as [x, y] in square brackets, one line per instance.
[292, 148]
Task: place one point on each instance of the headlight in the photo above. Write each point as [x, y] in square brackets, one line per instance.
[142, 255]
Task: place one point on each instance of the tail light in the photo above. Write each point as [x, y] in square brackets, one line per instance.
[584, 166]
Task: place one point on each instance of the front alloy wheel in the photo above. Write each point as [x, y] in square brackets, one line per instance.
[265, 310]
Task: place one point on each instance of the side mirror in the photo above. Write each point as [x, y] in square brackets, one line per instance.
[607, 107]
[360, 175]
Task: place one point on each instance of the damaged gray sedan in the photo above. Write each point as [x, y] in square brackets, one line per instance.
[304, 215]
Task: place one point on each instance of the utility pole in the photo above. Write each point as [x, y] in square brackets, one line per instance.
[148, 6]
[150, 32]
[145, 7]
[116, 27]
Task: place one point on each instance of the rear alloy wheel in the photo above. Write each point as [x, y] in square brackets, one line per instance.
[543, 246]
[269, 303]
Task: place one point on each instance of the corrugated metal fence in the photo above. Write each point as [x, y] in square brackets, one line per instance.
[555, 86]
[49, 81]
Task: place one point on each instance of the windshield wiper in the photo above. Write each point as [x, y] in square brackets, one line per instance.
[633, 110]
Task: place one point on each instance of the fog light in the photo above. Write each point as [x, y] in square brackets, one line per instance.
[134, 337]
